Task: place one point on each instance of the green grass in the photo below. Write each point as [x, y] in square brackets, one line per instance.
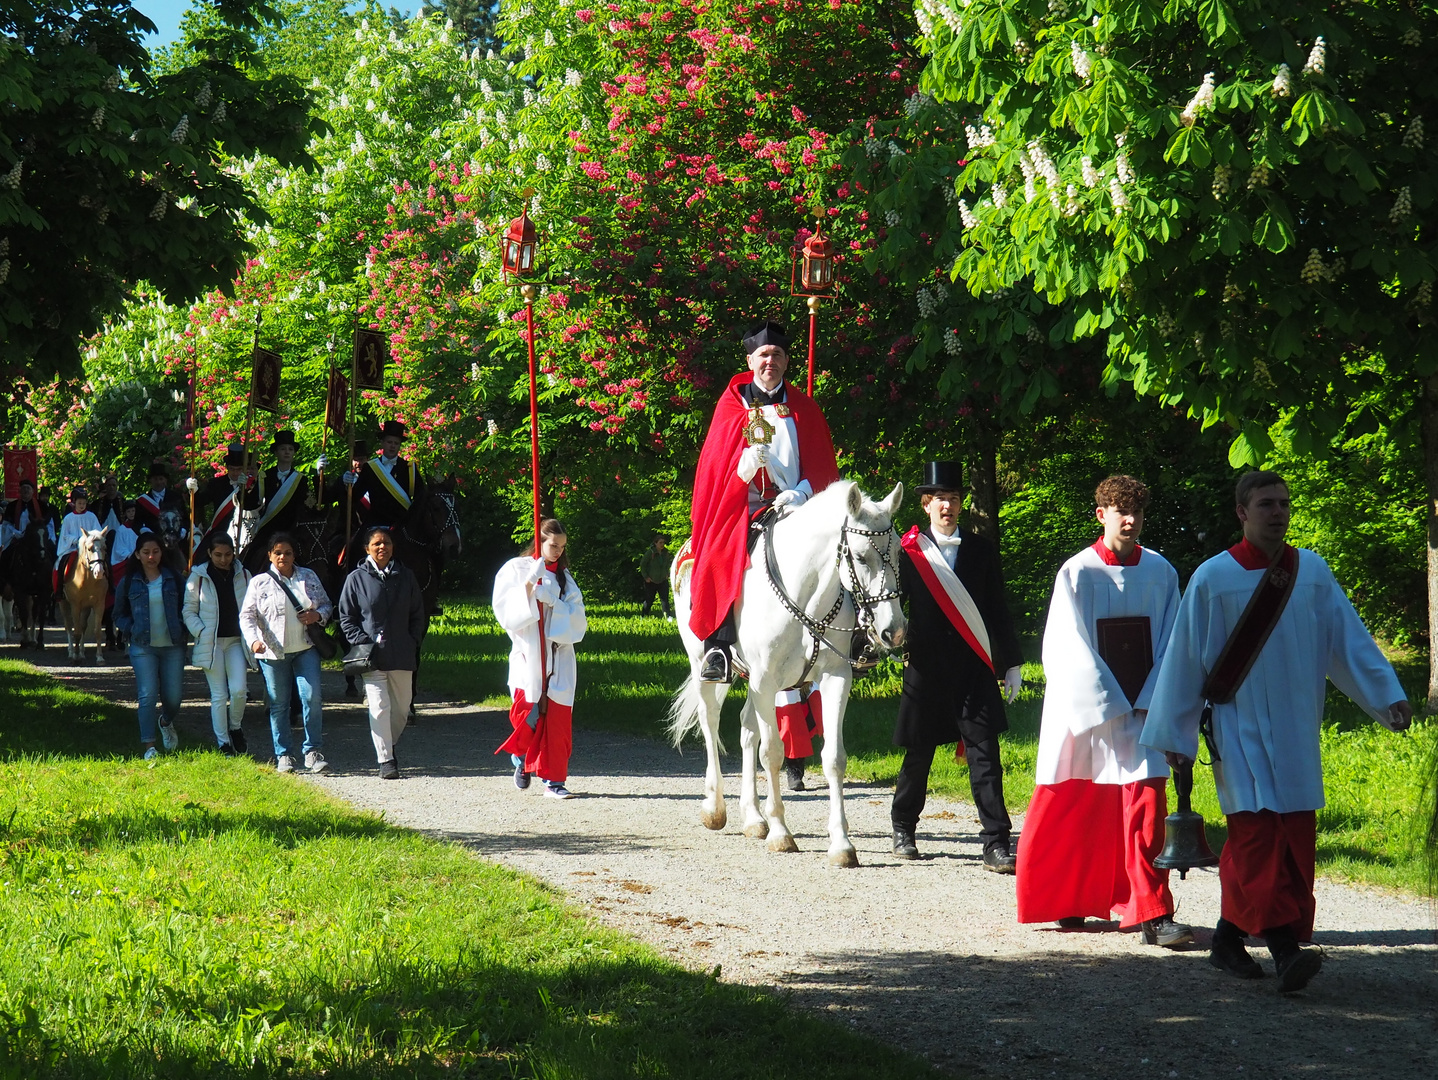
[203, 917]
[630, 665]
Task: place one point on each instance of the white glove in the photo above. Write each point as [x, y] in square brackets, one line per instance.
[192, 485]
[350, 478]
[1013, 682]
[547, 592]
[536, 570]
[750, 462]
[321, 462]
[793, 497]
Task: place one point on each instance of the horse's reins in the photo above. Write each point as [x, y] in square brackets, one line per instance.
[864, 602]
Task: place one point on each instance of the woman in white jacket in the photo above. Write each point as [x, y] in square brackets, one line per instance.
[214, 595]
[277, 630]
[539, 604]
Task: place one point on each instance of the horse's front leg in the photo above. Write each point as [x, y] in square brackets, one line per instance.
[96, 616]
[834, 698]
[772, 751]
[755, 826]
[711, 701]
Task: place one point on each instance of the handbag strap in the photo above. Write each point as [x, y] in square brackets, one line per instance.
[299, 608]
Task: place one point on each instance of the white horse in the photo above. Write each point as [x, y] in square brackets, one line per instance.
[83, 592]
[832, 572]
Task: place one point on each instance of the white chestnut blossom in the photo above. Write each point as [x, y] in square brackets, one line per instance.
[1000, 196]
[1412, 37]
[97, 118]
[924, 19]
[892, 218]
[1402, 206]
[1090, 174]
[1413, 134]
[202, 98]
[1283, 82]
[182, 129]
[1071, 203]
[1222, 176]
[953, 344]
[161, 205]
[1116, 193]
[1120, 164]
[966, 215]
[1201, 102]
[978, 140]
[4, 270]
[1317, 58]
[1081, 62]
[12, 178]
[573, 78]
[1258, 178]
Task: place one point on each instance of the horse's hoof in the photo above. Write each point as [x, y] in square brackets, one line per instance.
[846, 859]
[714, 819]
[757, 831]
[781, 845]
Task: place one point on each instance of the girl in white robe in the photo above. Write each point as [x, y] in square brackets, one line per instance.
[539, 604]
[79, 521]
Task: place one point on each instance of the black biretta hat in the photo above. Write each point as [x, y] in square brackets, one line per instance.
[766, 333]
[942, 476]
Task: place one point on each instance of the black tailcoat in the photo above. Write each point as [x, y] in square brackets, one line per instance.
[307, 501]
[384, 508]
[948, 691]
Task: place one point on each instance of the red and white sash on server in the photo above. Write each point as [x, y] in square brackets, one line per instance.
[949, 593]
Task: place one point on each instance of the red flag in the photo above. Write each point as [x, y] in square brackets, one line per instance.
[336, 402]
[21, 463]
[371, 354]
[265, 380]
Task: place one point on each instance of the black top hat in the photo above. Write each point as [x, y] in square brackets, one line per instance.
[159, 468]
[80, 493]
[942, 476]
[392, 427]
[361, 452]
[284, 438]
[766, 333]
[234, 455]
[25, 481]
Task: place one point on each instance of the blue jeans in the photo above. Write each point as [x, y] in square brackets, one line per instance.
[159, 676]
[281, 677]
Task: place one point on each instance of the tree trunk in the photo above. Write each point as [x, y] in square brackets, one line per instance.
[981, 459]
[1429, 419]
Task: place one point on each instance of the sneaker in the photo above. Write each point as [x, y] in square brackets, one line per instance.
[227, 749]
[554, 790]
[151, 753]
[237, 740]
[715, 667]
[169, 736]
[315, 762]
[389, 770]
[521, 778]
[284, 763]
[1164, 931]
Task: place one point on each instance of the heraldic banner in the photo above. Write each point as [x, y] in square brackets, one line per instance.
[371, 355]
[335, 402]
[21, 463]
[265, 380]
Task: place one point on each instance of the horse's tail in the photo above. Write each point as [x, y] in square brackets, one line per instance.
[684, 710]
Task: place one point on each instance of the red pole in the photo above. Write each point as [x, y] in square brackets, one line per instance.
[813, 331]
[528, 292]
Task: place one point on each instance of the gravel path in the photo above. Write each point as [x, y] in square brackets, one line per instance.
[924, 955]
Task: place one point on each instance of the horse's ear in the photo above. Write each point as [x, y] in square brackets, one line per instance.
[855, 500]
[890, 506]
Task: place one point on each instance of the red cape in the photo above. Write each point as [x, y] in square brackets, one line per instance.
[719, 514]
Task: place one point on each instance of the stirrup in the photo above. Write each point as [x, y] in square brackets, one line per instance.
[716, 667]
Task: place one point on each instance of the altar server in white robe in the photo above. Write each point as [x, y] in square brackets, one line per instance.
[539, 604]
[1095, 824]
[1266, 697]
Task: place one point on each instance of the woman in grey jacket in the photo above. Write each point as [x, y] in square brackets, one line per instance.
[381, 606]
[213, 597]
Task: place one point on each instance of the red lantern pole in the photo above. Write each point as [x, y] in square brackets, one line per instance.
[813, 303]
[528, 292]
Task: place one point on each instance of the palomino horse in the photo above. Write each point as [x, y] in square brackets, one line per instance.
[83, 592]
[28, 563]
[820, 575]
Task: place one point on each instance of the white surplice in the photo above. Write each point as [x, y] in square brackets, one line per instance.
[564, 624]
[1090, 730]
[1268, 735]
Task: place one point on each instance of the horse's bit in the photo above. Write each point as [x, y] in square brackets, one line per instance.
[864, 601]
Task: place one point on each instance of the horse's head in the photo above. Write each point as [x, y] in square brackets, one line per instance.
[171, 526]
[451, 543]
[869, 562]
[94, 549]
[36, 540]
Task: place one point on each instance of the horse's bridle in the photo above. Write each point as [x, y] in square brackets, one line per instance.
[864, 602]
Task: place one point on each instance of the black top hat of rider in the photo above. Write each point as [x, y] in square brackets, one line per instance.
[159, 468]
[234, 455]
[392, 427]
[284, 438]
[766, 333]
[361, 451]
[942, 476]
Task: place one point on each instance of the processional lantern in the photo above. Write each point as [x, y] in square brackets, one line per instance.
[518, 247]
[518, 251]
[812, 276]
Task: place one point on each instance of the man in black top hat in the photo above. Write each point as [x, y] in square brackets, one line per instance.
[961, 644]
[286, 493]
[160, 499]
[27, 508]
[221, 502]
[388, 485]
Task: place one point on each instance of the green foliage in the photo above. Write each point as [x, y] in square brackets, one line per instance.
[201, 916]
[112, 172]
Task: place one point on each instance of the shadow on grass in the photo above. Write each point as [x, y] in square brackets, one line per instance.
[43, 717]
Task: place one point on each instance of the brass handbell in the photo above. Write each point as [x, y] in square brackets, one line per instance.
[1185, 844]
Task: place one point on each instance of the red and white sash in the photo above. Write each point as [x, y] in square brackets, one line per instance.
[151, 502]
[949, 593]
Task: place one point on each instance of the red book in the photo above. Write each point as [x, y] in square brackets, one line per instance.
[1126, 646]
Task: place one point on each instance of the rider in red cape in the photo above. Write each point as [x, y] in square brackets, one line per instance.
[736, 478]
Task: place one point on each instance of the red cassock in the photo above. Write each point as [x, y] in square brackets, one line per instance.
[719, 516]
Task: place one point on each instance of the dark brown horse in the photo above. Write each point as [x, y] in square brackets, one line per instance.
[25, 566]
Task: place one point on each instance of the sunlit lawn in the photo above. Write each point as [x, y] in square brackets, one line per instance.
[630, 665]
[200, 916]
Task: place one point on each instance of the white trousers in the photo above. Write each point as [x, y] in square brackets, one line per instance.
[227, 680]
[388, 695]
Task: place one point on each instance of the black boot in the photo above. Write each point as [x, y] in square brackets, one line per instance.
[1228, 953]
[794, 773]
[717, 666]
[1295, 965]
[904, 845]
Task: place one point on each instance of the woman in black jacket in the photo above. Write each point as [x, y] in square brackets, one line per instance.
[381, 606]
